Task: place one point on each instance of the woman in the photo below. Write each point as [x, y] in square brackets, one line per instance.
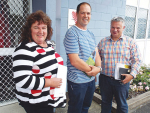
[35, 65]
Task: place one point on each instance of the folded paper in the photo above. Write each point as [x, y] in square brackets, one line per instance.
[61, 73]
[91, 60]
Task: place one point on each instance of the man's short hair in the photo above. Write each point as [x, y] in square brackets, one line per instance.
[78, 7]
[118, 19]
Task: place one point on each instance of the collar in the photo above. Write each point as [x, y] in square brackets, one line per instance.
[80, 28]
[109, 38]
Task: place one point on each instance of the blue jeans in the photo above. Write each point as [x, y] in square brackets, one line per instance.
[80, 96]
[110, 87]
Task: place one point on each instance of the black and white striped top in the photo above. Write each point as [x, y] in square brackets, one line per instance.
[31, 65]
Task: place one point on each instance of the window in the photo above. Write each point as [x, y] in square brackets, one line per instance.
[137, 21]
[130, 21]
[142, 23]
[149, 30]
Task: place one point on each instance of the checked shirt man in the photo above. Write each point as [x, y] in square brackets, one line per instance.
[117, 48]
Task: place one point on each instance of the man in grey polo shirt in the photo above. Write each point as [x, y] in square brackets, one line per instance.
[79, 44]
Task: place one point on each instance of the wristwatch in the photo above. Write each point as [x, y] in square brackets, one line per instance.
[99, 68]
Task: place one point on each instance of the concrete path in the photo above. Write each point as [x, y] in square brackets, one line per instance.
[12, 108]
[95, 108]
[15, 108]
[145, 108]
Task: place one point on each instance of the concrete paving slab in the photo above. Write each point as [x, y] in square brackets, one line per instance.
[95, 108]
[16, 108]
[12, 108]
[143, 108]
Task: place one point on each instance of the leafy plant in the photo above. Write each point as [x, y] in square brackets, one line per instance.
[142, 80]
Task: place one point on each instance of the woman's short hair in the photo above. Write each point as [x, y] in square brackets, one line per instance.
[40, 17]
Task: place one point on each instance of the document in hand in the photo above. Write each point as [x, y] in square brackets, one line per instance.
[61, 73]
[121, 69]
[91, 60]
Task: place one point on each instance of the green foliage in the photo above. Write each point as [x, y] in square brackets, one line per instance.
[142, 80]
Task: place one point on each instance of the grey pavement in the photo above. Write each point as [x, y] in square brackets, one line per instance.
[145, 108]
[95, 108]
[16, 108]
[12, 108]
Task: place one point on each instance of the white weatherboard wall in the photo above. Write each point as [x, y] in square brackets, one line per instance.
[147, 53]
[144, 46]
[141, 47]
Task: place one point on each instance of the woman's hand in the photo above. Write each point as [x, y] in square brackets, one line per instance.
[53, 82]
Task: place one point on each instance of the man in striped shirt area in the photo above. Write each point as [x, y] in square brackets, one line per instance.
[79, 43]
[114, 49]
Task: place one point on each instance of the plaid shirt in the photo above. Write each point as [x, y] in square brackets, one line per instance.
[124, 51]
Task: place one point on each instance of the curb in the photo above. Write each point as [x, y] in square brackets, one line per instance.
[133, 103]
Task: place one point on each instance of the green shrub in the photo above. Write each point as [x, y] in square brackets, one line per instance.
[142, 80]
